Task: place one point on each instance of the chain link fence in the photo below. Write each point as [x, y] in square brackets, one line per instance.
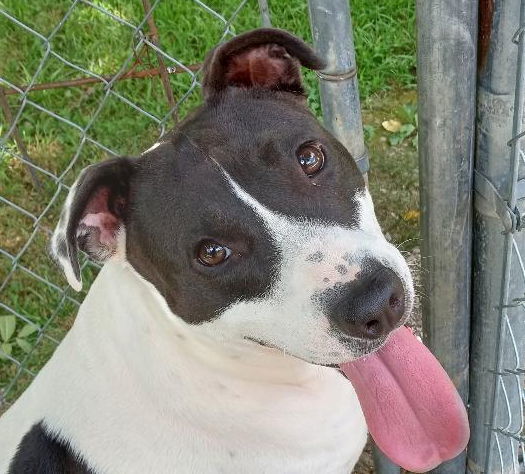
[56, 110]
[507, 423]
[497, 359]
[506, 420]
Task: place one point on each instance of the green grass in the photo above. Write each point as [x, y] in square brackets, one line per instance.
[384, 35]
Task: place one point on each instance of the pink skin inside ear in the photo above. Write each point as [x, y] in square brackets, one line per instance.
[98, 215]
[265, 66]
[106, 223]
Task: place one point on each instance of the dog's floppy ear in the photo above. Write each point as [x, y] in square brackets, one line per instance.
[266, 58]
[93, 216]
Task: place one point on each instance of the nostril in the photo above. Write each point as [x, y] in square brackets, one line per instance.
[373, 328]
[395, 302]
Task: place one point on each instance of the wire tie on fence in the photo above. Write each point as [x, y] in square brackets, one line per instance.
[363, 162]
[496, 372]
[517, 36]
[519, 219]
[517, 371]
[509, 306]
[510, 434]
[489, 202]
[344, 76]
[516, 138]
[172, 69]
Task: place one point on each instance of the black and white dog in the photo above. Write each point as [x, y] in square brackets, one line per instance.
[244, 270]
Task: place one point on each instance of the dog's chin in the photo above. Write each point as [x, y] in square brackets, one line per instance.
[352, 349]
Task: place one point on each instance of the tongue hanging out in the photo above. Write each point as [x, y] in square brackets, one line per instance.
[412, 409]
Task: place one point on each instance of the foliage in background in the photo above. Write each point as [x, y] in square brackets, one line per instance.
[11, 339]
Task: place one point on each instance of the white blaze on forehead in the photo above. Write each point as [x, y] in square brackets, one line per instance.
[278, 224]
[367, 216]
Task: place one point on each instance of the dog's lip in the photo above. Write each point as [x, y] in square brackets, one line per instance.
[331, 365]
[362, 347]
[271, 346]
[261, 342]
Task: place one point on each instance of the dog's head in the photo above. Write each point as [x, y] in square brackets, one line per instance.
[250, 219]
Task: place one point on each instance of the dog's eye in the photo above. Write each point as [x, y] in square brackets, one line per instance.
[311, 158]
[211, 253]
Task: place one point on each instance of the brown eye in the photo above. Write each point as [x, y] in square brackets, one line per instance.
[211, 253]
[311, 158]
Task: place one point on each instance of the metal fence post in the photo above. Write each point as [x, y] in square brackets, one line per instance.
[446, 73]
[498, 320]
[333, 40]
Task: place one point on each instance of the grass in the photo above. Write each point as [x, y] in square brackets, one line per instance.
[385, 43]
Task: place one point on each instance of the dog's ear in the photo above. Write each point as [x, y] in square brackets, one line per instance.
[93, 216]
[265, 58]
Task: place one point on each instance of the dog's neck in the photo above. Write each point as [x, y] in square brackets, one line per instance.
[151, 339]
[130, 366]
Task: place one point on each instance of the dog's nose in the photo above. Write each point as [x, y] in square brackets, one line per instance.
[370, 306]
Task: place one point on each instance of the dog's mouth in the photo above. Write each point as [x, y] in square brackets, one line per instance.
[412, 409]
[271, 346]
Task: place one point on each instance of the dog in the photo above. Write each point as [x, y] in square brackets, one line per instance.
[245, 274]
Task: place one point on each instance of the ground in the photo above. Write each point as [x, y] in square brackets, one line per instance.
[384, 34]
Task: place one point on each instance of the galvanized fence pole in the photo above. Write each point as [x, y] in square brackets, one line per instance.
[498, 323]
[266, 20]
[333, 40]
[446, 74]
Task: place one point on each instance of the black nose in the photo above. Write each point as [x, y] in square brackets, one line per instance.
[370, 306]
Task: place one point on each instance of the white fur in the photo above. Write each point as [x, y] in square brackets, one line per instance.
[289, 317]
[140, 391]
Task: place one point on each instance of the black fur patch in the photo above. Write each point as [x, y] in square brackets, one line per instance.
[191, 201]
[41, 453]
[179, 197]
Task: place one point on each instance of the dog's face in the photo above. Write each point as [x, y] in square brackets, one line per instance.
[250, 219]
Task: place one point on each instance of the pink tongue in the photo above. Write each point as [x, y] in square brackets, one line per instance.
[412, 409]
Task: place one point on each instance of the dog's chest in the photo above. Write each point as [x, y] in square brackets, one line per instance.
[227, 425]
[235, 427]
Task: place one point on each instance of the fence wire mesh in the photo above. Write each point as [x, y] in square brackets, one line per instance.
[73, 105]
[507, 425]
